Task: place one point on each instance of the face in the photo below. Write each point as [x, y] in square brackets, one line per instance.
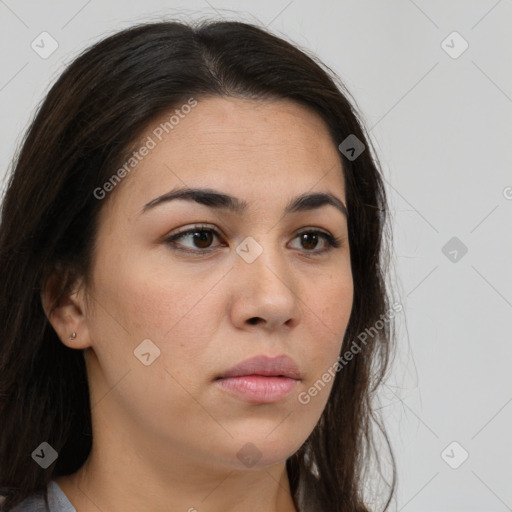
[210, 282]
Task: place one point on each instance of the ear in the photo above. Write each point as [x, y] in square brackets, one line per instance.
[66, 312]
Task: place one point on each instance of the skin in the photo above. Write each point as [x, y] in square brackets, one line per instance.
[166, 437]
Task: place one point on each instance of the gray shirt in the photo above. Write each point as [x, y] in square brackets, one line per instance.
[53, 500]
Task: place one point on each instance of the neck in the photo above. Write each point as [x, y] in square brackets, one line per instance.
[122, 480]
[129, 470]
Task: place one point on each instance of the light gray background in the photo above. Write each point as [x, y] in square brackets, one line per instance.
[442, 128]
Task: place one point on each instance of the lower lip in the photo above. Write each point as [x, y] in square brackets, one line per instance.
[258, 388]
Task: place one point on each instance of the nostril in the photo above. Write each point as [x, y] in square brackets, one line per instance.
[254, 320]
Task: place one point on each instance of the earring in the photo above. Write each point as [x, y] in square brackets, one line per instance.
[73, 336]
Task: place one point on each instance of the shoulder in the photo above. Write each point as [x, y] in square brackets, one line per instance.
[53, 500]
[35, 503]
[57, 500]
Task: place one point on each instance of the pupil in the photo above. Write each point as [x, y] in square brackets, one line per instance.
[313, 236]
[203, 239]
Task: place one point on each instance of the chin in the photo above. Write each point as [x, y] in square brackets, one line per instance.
[259, 451]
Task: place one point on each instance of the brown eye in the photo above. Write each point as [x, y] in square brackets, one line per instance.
[202, 239]
[309, 240]
[198, 240]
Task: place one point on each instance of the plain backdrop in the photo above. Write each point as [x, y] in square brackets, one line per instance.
[433, 82]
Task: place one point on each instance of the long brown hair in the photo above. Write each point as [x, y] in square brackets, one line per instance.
[83, 130]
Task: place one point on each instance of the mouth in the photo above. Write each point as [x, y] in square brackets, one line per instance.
[261, 379]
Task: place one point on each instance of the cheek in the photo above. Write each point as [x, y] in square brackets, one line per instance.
[328, 308]
[180, 315]
[335, 302]
[154, 303]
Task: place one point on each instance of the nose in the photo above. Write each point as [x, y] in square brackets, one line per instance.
[264, 292]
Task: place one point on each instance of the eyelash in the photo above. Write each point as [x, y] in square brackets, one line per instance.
[333, 242]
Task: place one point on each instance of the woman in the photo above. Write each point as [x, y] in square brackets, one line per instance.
[190, 259]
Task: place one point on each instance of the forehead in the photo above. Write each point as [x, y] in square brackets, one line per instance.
[252, 149]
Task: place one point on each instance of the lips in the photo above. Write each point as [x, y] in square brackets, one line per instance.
[261, 379]
[280, 366]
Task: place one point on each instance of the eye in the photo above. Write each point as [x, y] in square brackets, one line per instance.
[200, 239]
[309, 240]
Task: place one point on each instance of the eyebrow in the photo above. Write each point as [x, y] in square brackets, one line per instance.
[221, 201]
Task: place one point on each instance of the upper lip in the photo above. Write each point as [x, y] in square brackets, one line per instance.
[279, 366]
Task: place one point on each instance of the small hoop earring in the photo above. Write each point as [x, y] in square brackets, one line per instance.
[73, 336]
